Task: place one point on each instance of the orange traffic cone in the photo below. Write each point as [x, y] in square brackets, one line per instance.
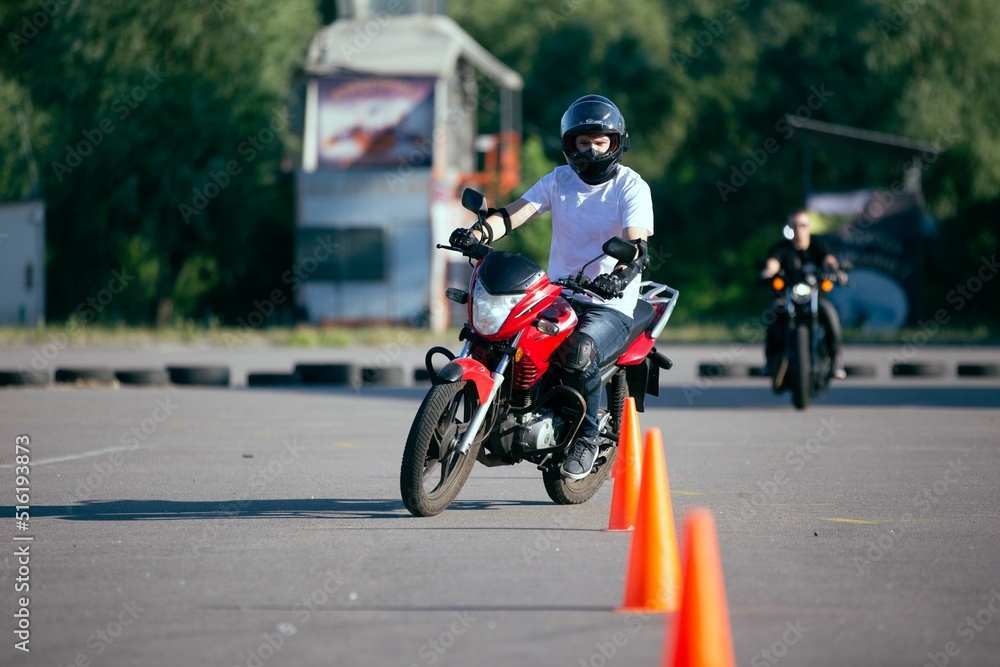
[654, 574]
[701, 635]
[627, 471]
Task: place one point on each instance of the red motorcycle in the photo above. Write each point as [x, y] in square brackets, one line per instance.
[502, 400]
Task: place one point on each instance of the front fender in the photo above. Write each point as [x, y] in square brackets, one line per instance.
[468, 369]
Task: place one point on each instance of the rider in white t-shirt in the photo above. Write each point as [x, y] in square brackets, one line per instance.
[593, 198]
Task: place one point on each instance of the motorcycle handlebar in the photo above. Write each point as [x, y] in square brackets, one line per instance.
[578, 284]
[474, 251]
[838, 277]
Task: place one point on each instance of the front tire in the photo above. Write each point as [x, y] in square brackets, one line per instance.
[801, 376]
[432, 473]
[565, 491]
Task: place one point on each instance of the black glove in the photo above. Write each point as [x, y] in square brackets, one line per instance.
[608, 286]
[462, 238]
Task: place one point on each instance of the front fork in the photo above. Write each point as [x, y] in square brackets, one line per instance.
[793, 319]
[489, 390]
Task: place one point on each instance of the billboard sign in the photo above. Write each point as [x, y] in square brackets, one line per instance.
[881, 234]
[374, 122]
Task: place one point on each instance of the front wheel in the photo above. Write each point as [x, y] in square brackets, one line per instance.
[565, 491]
[433, 472]
[803, 370]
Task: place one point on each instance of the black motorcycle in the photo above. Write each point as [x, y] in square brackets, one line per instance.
[800, 358]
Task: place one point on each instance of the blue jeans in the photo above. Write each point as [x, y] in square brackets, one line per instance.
[609, 329]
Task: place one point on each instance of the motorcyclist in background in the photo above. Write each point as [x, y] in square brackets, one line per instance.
[791, 254]
[592, 199]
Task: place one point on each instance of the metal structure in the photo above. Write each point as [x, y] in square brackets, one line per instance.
[394, 92]
[22, 263]
[882, 231]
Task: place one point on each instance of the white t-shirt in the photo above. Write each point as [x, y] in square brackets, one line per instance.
[585, 216]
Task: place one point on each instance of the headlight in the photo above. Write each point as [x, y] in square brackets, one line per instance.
[801, 292]
[489, 311]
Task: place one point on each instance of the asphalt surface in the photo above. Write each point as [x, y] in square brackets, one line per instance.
[250, 526]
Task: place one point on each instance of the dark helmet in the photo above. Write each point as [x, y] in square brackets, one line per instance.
[594, 114]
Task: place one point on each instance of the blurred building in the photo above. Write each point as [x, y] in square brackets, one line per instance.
[22, 263]
[396, 94]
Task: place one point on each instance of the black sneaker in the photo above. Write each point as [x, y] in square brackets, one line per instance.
[580, 457]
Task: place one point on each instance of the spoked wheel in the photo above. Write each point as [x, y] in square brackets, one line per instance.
[573, 492]
[433, 472]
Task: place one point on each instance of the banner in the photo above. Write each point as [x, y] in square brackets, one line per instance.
[374, 122]
[881, 235]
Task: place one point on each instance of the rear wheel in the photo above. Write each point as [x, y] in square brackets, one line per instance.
[565, 491]
[433, 472]
[801, 372]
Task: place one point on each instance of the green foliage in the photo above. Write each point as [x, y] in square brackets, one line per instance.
[705, 85]
[168, 121]
[532, 239]
[185, 186]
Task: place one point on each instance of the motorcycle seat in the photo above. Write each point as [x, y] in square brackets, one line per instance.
[642, 317]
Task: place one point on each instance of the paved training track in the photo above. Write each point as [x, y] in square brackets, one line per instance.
[244, 526]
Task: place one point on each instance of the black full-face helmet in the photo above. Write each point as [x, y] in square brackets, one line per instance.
[594, 114]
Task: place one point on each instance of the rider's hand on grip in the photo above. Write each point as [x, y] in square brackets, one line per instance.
[607, 286]
[462, 238]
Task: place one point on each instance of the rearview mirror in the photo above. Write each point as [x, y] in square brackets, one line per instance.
[473, 201]
[619, 248]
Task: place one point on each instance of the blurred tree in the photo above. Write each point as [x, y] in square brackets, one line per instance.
[159, 130]
[706, 86]
[21, 129]
[162, 156]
